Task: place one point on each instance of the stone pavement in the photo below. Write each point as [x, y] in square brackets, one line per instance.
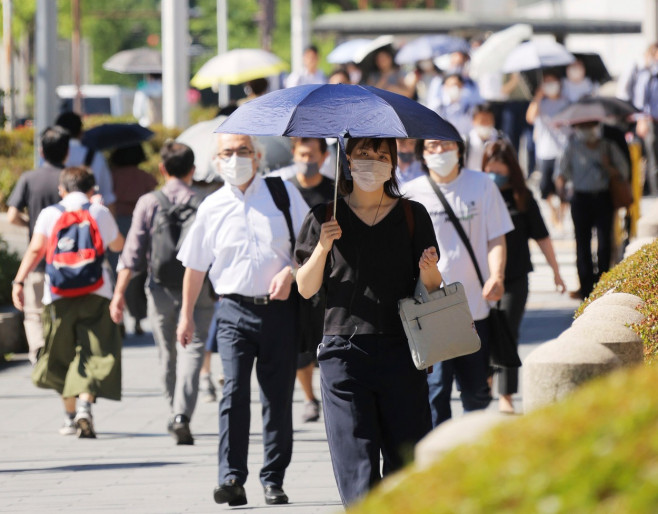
[134, 465]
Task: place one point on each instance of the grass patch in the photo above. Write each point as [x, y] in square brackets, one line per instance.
[597, 451]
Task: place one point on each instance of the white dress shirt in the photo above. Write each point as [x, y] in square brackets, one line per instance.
[241, 238]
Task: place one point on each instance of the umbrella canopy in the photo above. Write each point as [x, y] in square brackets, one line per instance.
[537, 54]
[595, 69]
[429, 47]
[345, 52]
[337, 110]
[137, 60]
[238, 66]
[203, 142]
[115, 135]
[597, 108]
[490, 57]
[372, 47]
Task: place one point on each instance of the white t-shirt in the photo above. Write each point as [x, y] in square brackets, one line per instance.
[106, 225]
[242, 238]
[480, 208]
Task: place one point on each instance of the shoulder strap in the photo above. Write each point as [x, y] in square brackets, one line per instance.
[458, 226]
[162, 200]
[89, 156]
[282, 201]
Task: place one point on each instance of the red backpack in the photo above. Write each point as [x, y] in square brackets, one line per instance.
[74, 254]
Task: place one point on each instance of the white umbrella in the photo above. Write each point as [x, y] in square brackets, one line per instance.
[373, 46]
[537, 54]
[490, 57]
[345, 52]
[238, 66]
[137, 60]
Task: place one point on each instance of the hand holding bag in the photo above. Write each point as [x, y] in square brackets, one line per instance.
[438, 325]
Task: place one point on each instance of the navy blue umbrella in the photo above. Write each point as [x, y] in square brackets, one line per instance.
[337, 110]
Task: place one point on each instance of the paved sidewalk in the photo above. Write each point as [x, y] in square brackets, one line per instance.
[134, 465]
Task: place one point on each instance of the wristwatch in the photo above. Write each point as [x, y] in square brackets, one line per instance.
[17, 283]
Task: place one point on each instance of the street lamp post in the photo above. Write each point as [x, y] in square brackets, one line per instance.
[45, 108]
[175, 62]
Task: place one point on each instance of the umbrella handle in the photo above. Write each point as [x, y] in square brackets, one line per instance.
[336, 177]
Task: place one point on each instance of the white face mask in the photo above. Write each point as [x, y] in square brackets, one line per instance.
[484, 132]
[551, 88]
[453, 93]
[236, 170]
[442, 163]
[370, 175]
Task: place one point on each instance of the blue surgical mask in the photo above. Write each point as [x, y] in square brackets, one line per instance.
[499, 180]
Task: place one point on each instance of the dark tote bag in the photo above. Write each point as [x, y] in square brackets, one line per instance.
[503, 350]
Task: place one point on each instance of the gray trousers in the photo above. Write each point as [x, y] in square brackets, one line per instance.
[179, 367]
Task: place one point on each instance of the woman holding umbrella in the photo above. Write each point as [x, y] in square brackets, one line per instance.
[374, 399]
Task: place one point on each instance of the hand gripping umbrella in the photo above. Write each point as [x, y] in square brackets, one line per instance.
[337, 110]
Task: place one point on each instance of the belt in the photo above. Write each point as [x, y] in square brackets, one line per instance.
[256, 300]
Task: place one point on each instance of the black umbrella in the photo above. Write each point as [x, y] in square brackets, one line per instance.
[596, 108]
[115, 135]
[594, 67]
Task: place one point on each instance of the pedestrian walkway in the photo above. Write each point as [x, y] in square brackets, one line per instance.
[134, 465]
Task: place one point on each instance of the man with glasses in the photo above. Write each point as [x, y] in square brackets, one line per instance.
[480, 209]
[242, 240]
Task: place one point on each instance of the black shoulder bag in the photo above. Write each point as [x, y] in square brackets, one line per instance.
[503, 349]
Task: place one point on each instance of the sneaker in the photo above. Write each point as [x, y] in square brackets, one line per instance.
[207, 389]
[181, 430]
[68, 427]
[85, 424]
[311, 411]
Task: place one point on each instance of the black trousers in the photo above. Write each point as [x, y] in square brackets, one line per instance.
[375, 403]
[513, 304]
[266, 334]
[589, 211]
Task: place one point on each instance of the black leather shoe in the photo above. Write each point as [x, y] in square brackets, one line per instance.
[230, 492]
[274, 495]
[181, 430]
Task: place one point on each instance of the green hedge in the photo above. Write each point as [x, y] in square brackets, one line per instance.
[637, 275]
[594, 452]
[9, 263]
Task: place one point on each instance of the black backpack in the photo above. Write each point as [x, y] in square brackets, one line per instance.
[170, 226]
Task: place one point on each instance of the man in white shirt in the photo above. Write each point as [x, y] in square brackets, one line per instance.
[82, 354]
[80, 155]
[310, 74]
[481, 210]
[242, 240]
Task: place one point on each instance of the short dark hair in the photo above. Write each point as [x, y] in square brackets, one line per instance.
[391, 187]
[455, 75]
[258, 86]
[55, 144]
[484, 108]
[177, 158]
[343, 72]
[77, 178]
[294, 141]
[420, 148]
[71, 122]
[311, 48]
[128, 156]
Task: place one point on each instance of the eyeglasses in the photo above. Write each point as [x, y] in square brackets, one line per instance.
[436, 146]
[242, 152]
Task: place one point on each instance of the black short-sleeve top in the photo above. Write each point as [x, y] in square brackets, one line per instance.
[527, 225]
[369, 268]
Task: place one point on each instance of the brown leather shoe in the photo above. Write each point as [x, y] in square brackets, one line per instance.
[576, 295]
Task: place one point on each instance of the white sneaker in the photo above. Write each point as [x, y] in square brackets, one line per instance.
[68, 427]
[207, 389]
[85, 424]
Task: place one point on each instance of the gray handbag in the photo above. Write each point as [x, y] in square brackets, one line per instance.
[439, 325]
